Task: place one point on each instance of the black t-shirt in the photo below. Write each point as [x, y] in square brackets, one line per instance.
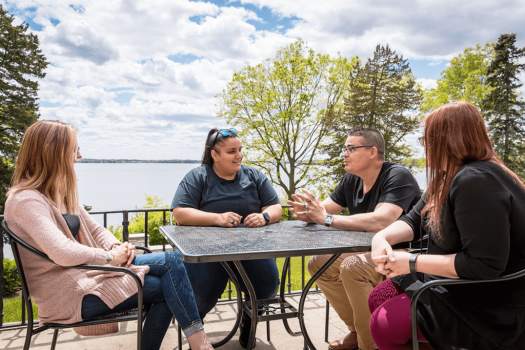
[247, 193]
[394, 184]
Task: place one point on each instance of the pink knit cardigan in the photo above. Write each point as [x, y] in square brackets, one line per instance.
[58, 291]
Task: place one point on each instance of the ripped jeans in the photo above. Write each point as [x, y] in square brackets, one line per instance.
[168, 288]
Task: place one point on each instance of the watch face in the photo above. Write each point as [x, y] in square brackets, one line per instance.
[328, 219]
[266, 217]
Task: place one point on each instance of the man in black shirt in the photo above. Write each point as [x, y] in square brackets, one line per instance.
[376, 194]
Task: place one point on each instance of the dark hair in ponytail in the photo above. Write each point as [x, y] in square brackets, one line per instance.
[211, 141]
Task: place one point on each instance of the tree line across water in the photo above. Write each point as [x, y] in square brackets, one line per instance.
[293, 111]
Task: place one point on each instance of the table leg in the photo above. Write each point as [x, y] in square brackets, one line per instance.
[282, 296]
[237, 285]
[308, 345]
[253, 300]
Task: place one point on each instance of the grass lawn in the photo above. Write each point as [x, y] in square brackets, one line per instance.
[13, 310]
[13, 306]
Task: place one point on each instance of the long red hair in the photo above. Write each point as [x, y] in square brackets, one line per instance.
[453, 134]
[46, 163]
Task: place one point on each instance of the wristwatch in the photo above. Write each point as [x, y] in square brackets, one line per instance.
[328, 219]
[412, 263]
[266, 218]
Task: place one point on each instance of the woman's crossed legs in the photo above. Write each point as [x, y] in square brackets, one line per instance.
[167, 287]
[390, 322]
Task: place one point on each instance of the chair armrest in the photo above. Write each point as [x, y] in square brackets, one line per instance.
[444, 282]
[143, 248]
[414, 251]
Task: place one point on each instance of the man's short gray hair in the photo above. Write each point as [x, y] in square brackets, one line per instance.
[372, 137]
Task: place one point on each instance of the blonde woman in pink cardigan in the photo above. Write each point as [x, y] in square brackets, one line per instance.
[43, 210]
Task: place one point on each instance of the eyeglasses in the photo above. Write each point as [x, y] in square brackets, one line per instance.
[350, 149]
[224, 133]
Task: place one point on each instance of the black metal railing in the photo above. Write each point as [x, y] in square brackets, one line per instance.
[125, 236]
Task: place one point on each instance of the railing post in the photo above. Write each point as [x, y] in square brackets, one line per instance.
[302, 272]
[163, 224]
[125, 224]
[105, 220]
[146, 229]
[230, 290]
[290, 277]
[289, 215]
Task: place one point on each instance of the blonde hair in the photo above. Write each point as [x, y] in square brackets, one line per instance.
[45, 163]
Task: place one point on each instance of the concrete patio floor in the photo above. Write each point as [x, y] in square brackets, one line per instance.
[217, 325]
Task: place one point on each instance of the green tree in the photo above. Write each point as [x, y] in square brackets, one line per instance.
[284, 108]
[21, 65]
[502, 107]
[382, 94]
[464, 80]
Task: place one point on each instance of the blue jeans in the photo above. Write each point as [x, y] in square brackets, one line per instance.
[167, 287]
[209, 281]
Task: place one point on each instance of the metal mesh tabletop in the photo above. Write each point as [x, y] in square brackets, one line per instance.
[282, 239]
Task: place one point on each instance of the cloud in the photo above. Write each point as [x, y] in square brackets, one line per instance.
[76, 39]
[139, 79]
[427, 83]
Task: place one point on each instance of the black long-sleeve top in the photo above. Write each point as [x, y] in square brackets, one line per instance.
[483, 223]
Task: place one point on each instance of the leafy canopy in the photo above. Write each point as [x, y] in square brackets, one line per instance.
[503, 107]
[284, 108]
[21, 65]
[382, 94]
[464, 80]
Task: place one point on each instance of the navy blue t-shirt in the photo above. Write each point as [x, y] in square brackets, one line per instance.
[246, 194]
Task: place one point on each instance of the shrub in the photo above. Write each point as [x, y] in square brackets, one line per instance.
[136, 223]
[11, 280]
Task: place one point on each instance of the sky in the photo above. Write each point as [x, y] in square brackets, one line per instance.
[138, 79]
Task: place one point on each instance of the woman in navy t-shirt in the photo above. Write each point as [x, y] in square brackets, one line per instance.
[223, 192]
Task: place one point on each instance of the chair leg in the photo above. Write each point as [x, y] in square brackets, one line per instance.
[179, 331]
[327, 321]
[54, 342]
[29, 334]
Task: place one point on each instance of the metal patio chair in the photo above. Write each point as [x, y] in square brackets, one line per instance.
[448, 282]
[138, 314]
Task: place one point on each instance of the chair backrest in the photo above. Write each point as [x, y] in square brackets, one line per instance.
[15, 241]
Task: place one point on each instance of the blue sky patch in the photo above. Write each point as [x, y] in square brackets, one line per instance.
[124, 97]
[184, 58]
[117, 89]
[271, 21]
[78, 9]
[427, 69]
[45, 104]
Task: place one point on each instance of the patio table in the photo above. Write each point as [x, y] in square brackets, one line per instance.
[279, 240]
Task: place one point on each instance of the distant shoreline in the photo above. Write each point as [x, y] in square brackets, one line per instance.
[187, 161]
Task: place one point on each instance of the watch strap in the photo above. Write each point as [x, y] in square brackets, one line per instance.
[328, 219]
[412, 263]
[266, 218]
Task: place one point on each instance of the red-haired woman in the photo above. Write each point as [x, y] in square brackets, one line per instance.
[43, 210]
[474, 214]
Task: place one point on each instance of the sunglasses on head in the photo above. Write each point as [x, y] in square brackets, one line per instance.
[224, 133]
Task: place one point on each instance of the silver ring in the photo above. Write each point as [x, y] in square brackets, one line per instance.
[305, 207]
[304, 212]
[387, 258]
[309, 201]
[233, 222]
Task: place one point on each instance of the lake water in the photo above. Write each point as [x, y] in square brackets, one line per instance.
[119, 186]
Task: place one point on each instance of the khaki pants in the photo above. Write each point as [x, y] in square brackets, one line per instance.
[346, 284]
